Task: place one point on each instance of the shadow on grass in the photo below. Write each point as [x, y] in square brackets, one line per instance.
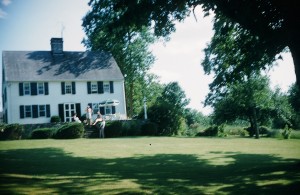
[51, 170]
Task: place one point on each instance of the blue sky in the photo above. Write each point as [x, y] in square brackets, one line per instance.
[30, 24]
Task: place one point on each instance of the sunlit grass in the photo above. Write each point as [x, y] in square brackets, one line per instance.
[154, 165]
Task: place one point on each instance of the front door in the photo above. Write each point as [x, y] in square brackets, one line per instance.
[69, 109]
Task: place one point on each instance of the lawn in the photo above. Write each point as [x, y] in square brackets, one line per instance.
[154, 165]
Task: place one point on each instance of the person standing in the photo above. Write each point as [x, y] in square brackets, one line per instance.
[100, 125]
[89, 115]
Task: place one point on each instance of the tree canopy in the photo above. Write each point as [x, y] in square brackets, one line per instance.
[274, 23]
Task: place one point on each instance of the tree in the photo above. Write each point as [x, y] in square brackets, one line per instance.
[168, 111]
[274, 22]
[250, 100]
[129, 47]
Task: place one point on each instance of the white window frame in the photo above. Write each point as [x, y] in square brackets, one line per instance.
[26, 88]
[68, 88]
[42, 110]
[41, 88]
[94, 87]
[108, 110]
[106, 87]
[27, 111]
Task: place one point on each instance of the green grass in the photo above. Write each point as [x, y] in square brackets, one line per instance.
[158, 165]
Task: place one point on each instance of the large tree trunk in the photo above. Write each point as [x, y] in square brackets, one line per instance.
[295, 51]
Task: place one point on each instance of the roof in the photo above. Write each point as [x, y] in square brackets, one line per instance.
[43, 66]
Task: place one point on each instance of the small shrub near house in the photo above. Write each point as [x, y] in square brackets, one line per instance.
[11, 132]
[70, 131]
[43, 133]
[55, 119]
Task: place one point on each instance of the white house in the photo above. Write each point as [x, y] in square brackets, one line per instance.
[39, 84]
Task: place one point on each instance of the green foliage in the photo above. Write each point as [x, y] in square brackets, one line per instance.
[169, 109]
[211, 131]
[11, 132]
[286, 133]
[43, 133]
[69, 131]
[131, 128]
[55, 119]
[149, 129]
[113, 129]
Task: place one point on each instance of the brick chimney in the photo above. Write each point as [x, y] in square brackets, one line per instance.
[57, 46]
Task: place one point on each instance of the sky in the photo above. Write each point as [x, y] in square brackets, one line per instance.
[27, 25]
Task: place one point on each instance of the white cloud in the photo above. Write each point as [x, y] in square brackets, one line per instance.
[6, 2]
[2, 13]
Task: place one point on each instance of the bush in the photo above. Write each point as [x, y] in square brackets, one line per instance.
[286, 132]
[55, 119]
[149, 129]
[70, 131]
[42, 133]
[11, 132]
[131, 128]
[113, 129]
[210, 131]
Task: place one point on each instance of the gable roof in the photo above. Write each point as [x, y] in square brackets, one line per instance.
[43, 66]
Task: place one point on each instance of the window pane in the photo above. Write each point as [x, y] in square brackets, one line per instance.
[26, 88]
[42, 110]
[94, 87]
[68, 88]
[106, 87]
[40, 88]
[27, 111]
[108, 110]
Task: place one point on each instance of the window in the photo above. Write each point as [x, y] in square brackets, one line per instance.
[42, 110]
[106, 87]
[95, 108]
[68, 88]
[108, 110]
[35, 111]
[94, 87]
[26, 88]
[40, 88]
[27, 111]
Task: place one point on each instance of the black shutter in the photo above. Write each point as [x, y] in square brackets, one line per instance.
[33, 88]
[21, 89]
[100, 86]
[73, 88]
[78, 110]
[89, 90]
[21, 111]
[63, 90]
[48, 114]
[61, 112]
[102, 111]
[46, 88]
[113, 108]
[111, 85]
[35, 111]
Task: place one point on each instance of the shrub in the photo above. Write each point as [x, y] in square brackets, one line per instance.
[70, 131]
[264, 130]
[55, 119]
[131, 128]
[113, 129]
[11, 132]
[210, 131]
[149, 129]
[286, 132]
[42, 133]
